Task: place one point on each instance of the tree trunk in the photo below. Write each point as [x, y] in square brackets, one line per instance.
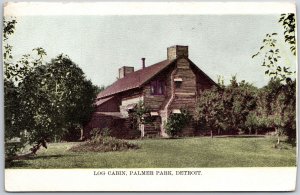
[142, 129]
[278, 136]
[211, 133]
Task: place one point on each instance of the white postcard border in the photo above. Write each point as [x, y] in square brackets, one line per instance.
[146, 8]
[187, 179]
[212, 179]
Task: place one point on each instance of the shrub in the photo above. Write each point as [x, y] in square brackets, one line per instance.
[96, 132]
[177, 122]
[102, 142]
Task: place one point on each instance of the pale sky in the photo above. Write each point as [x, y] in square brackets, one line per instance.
[218, 44]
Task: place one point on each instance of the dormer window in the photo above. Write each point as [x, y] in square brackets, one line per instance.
[157, 87]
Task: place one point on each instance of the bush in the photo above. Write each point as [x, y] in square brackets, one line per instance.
[177, 122]
[96, 132]
[102, 142]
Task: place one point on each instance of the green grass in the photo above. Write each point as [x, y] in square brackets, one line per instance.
[178, 153]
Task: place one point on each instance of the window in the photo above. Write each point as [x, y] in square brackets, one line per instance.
[157, 87]
[177, 85]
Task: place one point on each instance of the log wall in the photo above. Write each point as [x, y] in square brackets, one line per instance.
[185, 91]
[157, 102]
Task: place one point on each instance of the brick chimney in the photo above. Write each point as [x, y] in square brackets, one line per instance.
[123, 71]
[143, 63]
[178, 51]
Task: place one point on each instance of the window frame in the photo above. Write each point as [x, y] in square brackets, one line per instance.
[156, 86]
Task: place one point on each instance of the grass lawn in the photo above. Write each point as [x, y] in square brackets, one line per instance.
[162, 153]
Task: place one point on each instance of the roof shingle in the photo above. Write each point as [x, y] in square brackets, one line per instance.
[134, 79]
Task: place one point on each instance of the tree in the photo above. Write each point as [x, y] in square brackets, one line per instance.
[226, 108]
[252, 122]
[282, 112]
[210, 109]
[43, 101]
[271, 52]
[11, 102]
[12, 98]
[139, 116]
[239, 100]
[57, 99]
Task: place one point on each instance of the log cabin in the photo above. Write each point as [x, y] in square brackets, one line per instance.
[164, 88]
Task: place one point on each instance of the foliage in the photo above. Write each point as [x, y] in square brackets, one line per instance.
[272, 55]
[43, 101]
[141, 112]
[289, 24]
[252, 122]
[56, 99]
[241, 108]
[102, 142]
[239, 99]
[226, 109]
[210, 110]
[8, 30]
[176, 122]
[8, 27]
[140, 115]
[271, 52]
[96, 132]
[276, 109]
[11, 95]
[99, 88]
[284, 110]
[278, 98]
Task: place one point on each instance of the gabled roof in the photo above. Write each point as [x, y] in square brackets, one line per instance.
[135, 79]
[138, 78]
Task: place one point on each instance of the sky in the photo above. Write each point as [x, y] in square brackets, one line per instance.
[220, 45]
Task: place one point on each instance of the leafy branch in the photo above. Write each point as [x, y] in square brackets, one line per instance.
[288, 22]
[272, 54]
